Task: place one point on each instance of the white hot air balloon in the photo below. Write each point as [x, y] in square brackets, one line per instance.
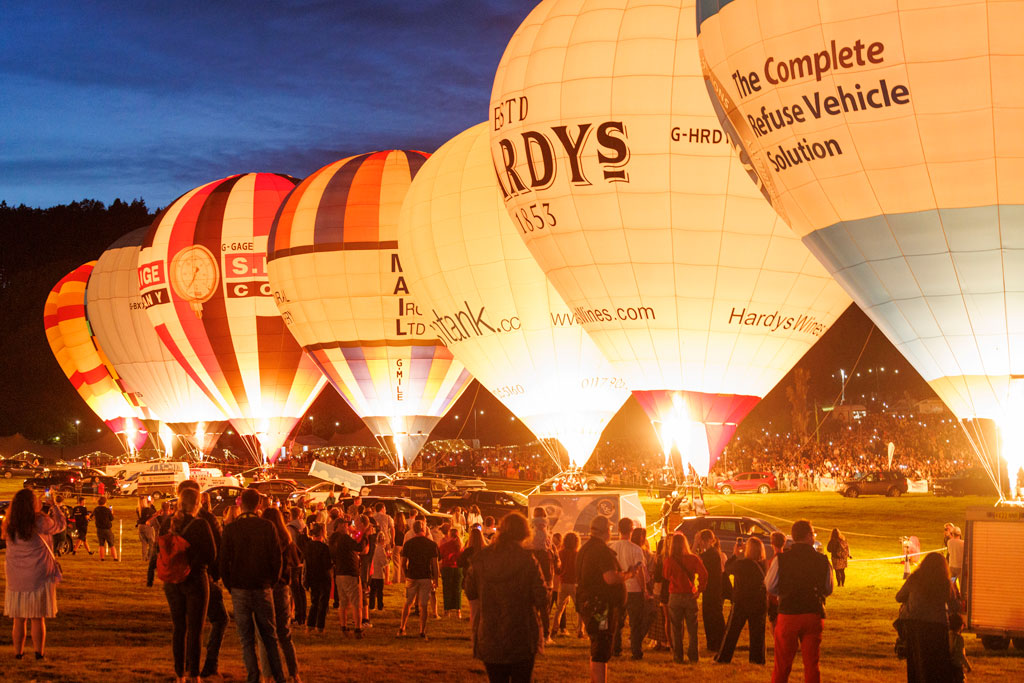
[488, 300]
[618, 178]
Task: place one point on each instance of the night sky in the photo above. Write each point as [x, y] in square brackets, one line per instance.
[150, 99]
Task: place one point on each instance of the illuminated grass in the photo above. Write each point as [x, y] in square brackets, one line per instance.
[111, 627]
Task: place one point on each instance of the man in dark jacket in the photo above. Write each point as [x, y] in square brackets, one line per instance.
[802, 578]
[250, 566]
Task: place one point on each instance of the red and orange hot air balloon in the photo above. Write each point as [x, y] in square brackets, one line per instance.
[73, 344]
[203, 280]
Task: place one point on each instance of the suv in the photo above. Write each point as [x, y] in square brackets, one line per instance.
[497, 504]
[276, 489]
[223, 497]
[879, 482]
[395, 505]
[730, 528]
[762, 482]
[73, 481]
[438, 486]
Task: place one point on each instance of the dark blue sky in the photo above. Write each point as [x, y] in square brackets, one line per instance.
[150, 99]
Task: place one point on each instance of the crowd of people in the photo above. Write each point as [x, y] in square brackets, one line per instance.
[283, 567]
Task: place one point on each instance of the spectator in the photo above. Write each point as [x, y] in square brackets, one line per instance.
[419, 559]
[282, 590]
[474, 516]
[147, 534]
[802, 579]
[712, 597]
[297, 531]
[187, 596]
[250, 566]
[749, 602]
[686, 577]
[381, 561]
[346, 552]
[631, 556]
[506, 580]
[955, 548]
[839, 549]
[104, 518]
[451, 575]
[31, 572]
[961, 664]
[928, 598]
[473, 546]
[216, 613]
[600, 594]
[80, 516]
[401, 529]
[318, 577]
[367, 536]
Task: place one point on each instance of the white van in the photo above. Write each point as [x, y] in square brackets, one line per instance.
[163, 478]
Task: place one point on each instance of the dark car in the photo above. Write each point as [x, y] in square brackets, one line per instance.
[761, 482]
[973, 482]
[421, 495]
[877, 483]
[395, 505]
[15, 467]
[730, 528]
[278, 490]
[497, 504]
[73, 482]
[223, 497]
[438, 486]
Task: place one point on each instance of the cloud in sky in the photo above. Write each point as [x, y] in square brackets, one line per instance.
[150, 99]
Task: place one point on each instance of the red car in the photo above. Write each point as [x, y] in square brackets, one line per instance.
[762, 482]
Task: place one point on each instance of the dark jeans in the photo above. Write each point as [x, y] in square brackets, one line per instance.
[714, 622]
[187, 601]
[377, 593]
[298, 597]
[282, 619]
[319, 596]
[254, 611]
[637, 626]
[683, 608]
[840, 577]
[217, 615]
[739, 617]
[520, 672]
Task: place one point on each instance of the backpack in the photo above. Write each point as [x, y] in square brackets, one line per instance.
[172, 559]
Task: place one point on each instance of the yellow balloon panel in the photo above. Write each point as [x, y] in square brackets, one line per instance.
[488, 300]
[889, 135]
[618, 177]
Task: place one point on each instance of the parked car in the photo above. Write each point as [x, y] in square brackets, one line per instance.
[277, 490]
[974, 482]
[374, 477]
[438, 486]
[494, 503]
[467, 484]
[877, 483]
[319, 493]
[729, 528]
[761, 482]
[421, 495]
[394, 505]
[223, 497]
[73, 482]
[14, 467]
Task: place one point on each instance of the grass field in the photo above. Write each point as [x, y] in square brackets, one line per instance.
[111, 627]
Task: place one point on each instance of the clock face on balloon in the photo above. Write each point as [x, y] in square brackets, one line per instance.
[194, 276]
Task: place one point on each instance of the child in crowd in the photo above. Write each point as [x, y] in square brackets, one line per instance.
[378, 572]
[539, 528]
[318, 577]
[956, 646]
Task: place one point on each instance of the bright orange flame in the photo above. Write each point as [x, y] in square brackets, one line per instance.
[1011, 428]
[689, 437]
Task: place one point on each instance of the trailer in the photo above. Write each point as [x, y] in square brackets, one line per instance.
[993, 574]
[573, 510]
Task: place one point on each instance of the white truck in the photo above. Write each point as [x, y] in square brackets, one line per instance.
[993, 574]
[162, 478]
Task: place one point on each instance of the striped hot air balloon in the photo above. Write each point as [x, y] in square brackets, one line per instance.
[339, 283]
[203, 280]
[120, 322]
[72, 342]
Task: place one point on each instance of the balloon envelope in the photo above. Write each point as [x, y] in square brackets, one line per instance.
[619, 180]
[903, 175]
[340, 286]
[120, 323]
[72, 342]
[203, 280]
[490, 302]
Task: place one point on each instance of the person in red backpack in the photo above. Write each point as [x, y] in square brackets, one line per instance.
[183, 555]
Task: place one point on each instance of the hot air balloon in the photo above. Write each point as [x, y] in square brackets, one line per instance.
[203, 279]
[340, 285]
[617, 176]
[485, 296]
[72, 342]
[889, 137]
[120, 323]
